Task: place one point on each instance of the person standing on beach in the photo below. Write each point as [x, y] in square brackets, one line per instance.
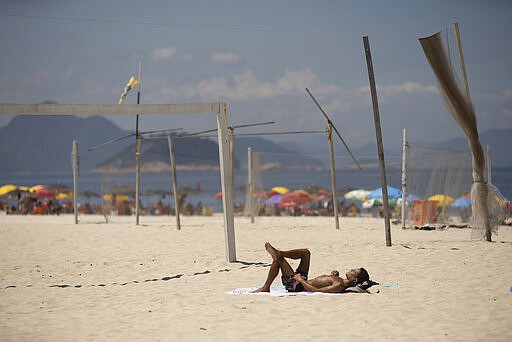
[297, 281]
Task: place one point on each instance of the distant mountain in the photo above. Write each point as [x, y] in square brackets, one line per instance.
[202, 153]
[274, 155]
[34, 144]
[190, 153]
[42, 144]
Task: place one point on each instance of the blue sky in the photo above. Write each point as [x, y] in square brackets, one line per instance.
[259, 56]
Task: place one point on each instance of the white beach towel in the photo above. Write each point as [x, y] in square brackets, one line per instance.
[280, 291]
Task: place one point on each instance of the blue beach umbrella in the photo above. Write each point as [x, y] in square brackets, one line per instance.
[461, 202]
[392, 193]
[276, 199]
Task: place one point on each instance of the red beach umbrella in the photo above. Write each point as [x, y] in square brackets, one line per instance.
[299, 197]
[43, 193]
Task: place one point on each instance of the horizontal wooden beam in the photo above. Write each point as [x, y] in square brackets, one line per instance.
[108, 109]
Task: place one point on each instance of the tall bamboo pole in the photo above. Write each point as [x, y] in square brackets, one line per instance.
[74, 154]
[232, 159]
[137, 153]
[333, 176]
[170, 141]
[378, 133]
[404, 175]
[226, 177]
[480, 200]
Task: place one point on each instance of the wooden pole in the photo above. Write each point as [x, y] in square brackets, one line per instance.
[231, 130]
[170, 140]
[404, 175]
[137, 177]
[137, 154]
[226, 177]
[481, 207]
[378, 134]
[333, 176]
[74, 154]
[250, 184]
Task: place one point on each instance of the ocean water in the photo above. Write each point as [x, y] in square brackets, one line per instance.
[209, 182]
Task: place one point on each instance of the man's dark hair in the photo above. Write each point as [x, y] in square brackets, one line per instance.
[363, 276]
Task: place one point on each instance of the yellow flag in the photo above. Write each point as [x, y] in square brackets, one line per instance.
[131, 83]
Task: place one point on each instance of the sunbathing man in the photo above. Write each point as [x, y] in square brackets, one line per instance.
[297, 281]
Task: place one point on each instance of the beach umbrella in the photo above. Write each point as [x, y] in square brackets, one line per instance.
[441, 199]
[371, 203]
[392, 193]
[17, 192]
[37, 187]
[281, 190]
[461, 202]
[358, 194]
[394, 202]
[298, 196]
[121, 198]
[276, 199]
[5, 189]
[304, 192]
[321, 196]
[64, 195]
[43, 193]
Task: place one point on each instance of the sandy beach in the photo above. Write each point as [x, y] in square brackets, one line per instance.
[119, 281]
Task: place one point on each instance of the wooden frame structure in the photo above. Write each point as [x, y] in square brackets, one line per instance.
[220, 109]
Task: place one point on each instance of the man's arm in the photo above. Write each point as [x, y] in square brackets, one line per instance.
[332, 288]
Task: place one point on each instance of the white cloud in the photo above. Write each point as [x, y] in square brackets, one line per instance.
[247, 88]
[163, 54]
[225, 58]
[408, 88]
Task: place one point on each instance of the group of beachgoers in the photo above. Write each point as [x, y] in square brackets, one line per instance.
[51, 206]
[29, 205]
